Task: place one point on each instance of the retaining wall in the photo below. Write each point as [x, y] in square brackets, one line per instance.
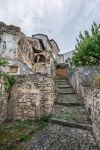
[82, 81]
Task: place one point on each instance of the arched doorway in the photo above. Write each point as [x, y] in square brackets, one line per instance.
[40, 58]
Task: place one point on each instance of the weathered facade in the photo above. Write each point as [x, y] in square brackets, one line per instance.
[31, 61]
[43, 55]
[32, 96]
[55, 49]
[35, 54]
[14, 46]
[3, 102]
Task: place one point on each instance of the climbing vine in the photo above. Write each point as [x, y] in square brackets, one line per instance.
[9, 80]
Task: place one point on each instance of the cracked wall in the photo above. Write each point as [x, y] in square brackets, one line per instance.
[31, 97]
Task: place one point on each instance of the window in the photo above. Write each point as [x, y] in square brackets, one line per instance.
[89, 111]
[4, 45]
[40, 59]
[13, 69]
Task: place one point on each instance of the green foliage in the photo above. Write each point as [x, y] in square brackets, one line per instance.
[87, 49]
[68, 63]
[43, 121]
[58, 65]
[55, 63]
[9, 132]
[19, 131]
[3, 62]
[9, 81]
[24, 138]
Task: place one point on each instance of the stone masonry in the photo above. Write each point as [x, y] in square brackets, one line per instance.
[3, 102]
[82, 81]
[69, 128]
[35, 54]
[31, 97]
[31, 61]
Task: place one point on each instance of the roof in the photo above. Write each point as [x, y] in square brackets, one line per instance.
[52, 40]
[39, 40]
[44, 36]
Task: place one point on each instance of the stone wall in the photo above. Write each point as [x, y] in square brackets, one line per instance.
[81, 80]
[31, 61]
[25, 52]
[3, 102]
[31, 96]
[20, 68]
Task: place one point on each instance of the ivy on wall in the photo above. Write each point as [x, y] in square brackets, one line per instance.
[9, 80]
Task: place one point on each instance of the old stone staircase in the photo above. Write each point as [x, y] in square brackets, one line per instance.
[70, 128]
[69, 109]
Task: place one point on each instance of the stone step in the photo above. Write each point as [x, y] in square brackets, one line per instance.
[75, 114]
[69, 104]
[65, 90]
[63, 80]
[64, 86]
[71, 124]
[69, 98]
[67, 93]
[60, 78]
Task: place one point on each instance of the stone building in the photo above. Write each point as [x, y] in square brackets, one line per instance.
[31, 61]
[63, 57]
[26, 54]
[55, 49]
[43, 58]
[15, 47]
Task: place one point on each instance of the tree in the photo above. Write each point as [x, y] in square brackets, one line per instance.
[87, 49]
[68, 62]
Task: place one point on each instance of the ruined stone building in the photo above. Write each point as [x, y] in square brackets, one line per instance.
[31, 61]
[26, 54]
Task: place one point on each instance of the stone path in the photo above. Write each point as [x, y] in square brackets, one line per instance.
[69, 129]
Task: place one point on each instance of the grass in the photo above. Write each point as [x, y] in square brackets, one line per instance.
[18, 131]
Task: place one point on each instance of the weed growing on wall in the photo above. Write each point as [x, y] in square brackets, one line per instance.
[9, 80]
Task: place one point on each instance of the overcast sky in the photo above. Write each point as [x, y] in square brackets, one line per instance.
[59, 19]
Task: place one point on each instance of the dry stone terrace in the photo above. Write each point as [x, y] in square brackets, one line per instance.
[69, 128]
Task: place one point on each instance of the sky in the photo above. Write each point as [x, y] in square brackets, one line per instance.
[61, 20]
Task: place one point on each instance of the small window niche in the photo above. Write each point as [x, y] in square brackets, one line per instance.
[89, 111]
[13, 69]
